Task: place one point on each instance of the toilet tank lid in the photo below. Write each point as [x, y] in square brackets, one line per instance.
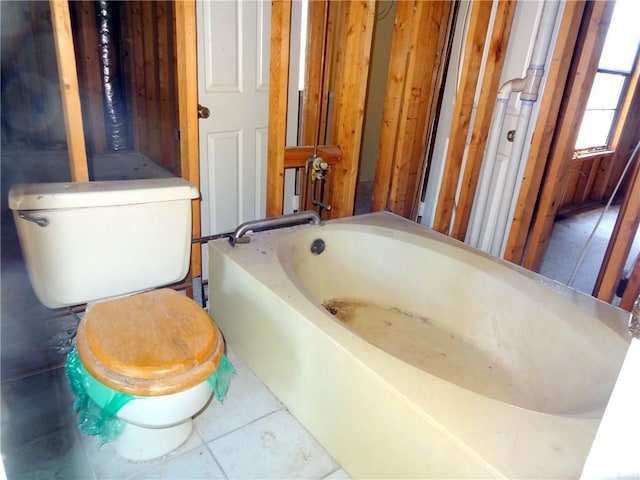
[50, 196]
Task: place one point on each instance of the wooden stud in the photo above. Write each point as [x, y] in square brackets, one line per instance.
[187, 83]
[414, 64]
[579, 86]
[557, 77]
[317, 73]
[418, 110]
[505, 11]
[352, 69]
[316, 70]
[69, 90]
[278, 87]
[462, 111]
[400, 46]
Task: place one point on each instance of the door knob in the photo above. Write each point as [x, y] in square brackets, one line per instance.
[203, 112]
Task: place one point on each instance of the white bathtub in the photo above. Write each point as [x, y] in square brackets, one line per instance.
[409, 354]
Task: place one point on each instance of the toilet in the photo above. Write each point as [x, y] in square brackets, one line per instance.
[146, 359]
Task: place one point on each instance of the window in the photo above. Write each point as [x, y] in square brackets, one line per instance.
[609, 87]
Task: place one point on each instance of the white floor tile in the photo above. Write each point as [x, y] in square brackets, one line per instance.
[196, 463]
[276, 446]
[247, 400]
[107, 464]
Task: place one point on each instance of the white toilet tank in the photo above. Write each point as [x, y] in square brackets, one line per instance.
[89, 241]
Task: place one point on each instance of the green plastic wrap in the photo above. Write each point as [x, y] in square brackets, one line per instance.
[97, 405]
[219, 380]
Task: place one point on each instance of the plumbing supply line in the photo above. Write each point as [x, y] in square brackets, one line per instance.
[583, 253]
[290, 220]
[486, 171]
[528, 87]
[514, 172]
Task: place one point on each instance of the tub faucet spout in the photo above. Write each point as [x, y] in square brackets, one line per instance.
[290, 220]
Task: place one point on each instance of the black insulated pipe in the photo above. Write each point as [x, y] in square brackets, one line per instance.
[115, 111]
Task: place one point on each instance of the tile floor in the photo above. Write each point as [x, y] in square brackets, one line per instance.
[250, 435]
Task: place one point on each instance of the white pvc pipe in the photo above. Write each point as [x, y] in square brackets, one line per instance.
[513, 169]
[483, 232]
[486, 171]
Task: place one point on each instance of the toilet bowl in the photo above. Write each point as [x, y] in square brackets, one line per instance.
[145, 361]
[157, 350]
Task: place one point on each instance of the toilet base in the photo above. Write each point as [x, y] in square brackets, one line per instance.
[139, 443]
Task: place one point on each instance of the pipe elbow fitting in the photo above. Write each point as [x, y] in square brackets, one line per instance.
[513, 85]
[532, 83]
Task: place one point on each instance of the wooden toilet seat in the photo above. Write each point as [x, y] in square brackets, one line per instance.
[153, 343]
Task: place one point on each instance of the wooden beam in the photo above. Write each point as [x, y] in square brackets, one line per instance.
[186, 79]
[68, 75]
[557, 77]
[578, 88]
[505, 11]
[462, 111]
[352, 70]
[278, 87]
[296, 157]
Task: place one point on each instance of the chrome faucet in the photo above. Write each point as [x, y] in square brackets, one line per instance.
[308, 216]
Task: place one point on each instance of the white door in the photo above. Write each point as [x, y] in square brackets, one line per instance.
[233, 82]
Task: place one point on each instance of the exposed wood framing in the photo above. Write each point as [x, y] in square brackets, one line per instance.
[462, 111]
[419, 38]
[585, 182]
[296, 157]
[557, 76]
[67, 72]
[187, 75]
[349, 95]
[578, 88]
[319, 53]
[628, 220]
[489, 88]
[278, 85]
[400, 46]
[317, 75]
